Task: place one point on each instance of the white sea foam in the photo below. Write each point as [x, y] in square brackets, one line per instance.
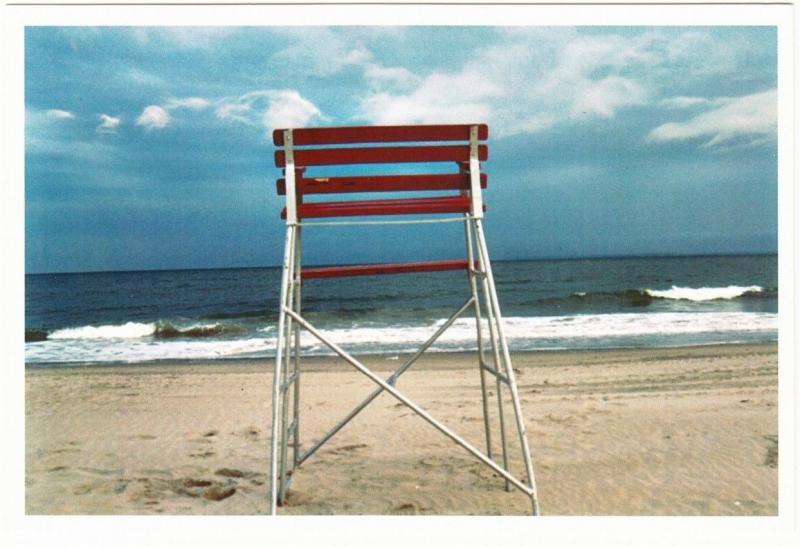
[704, 293]
[128, 330]
[132, 343]
[567, 327]
[143, 350]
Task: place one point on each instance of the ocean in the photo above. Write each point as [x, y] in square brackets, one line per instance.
[219, 314]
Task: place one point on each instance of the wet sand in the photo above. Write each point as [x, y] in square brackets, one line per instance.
[679, 431]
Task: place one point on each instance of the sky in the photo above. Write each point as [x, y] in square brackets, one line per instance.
[150, 147]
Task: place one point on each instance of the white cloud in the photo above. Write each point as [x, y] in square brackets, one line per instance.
[153, 117]
[383, 77]
[236, 111]
[681, 102]
[193, 103]
[57, 114]
[108, 124]
[357, 56]
[529, 83]
[701, 54]
[461, 97]
[604, 97]
[524, 80]
[288, 109]
[545, 76]
[320, 50]
[684, 102]
[271, 108]
[183, 37]
[751, 117]
[585, 55]
[158, 116]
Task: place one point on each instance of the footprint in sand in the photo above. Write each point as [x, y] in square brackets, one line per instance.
[121, 485]
[192, 483]
[771, 457]
[233, 473]
[152, 492]
[251, 432]
[210, 490]
[348, 448]
[84, 488]
[406, 509]
[62, 450]
[100, 472]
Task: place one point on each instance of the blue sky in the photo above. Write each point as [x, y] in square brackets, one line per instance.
[149, 148]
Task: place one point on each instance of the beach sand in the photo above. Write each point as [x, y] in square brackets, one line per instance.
[680, 431]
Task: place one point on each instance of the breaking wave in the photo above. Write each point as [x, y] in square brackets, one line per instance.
[129, 330]
[138, 342]
[645, 297]
[704, 294]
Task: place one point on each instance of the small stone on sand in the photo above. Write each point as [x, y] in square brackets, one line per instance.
[218, 493]
[225, 472]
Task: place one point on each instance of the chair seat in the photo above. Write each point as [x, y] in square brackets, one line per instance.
[410, 206]
[383, 269]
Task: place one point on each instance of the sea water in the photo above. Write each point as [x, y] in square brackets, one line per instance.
[143, 316]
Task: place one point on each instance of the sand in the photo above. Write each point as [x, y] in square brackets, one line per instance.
[681, 431]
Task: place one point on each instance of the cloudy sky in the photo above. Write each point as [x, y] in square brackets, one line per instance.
[149, 148]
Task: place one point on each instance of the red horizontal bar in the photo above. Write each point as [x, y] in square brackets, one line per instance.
[414, 206]
[381, 183]
[383, 154]
[383, 269]
[379, 133]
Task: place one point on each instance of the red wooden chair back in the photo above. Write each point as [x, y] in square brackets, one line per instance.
[333, 146]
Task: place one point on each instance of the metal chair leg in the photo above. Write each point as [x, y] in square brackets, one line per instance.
[490, 317]
[297, 307]
[277, 381]
[509, 369]
[289, 376]
[479, 333]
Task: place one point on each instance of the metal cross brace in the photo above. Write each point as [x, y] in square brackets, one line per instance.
[409, 403]
[390, 380]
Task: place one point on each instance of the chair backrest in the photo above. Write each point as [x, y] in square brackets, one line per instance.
[318, 147]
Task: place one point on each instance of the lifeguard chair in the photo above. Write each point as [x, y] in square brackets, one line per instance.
[311, 148]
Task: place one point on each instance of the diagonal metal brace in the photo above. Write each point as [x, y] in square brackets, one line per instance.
[499, 375]
[391, 380]
[410, 404]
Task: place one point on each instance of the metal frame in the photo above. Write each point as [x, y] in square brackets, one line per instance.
[483, 295]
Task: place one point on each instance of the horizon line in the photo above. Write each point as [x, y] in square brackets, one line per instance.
[527, 259]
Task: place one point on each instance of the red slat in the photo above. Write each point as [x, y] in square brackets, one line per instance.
[383, 269]
[380, 183]
[379, 133]
[448, 204]
[385, 154]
